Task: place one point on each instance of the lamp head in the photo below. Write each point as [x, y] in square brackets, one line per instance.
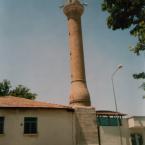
[120, 66]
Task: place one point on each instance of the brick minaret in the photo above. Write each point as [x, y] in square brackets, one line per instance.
[79, 95]
[85, 115]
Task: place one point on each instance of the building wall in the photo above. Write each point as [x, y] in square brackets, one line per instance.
[55, 127]
[58, 127]
[110, 135]
[136, 125]
[137, 121]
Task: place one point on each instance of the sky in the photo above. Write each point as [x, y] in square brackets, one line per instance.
[34, 52]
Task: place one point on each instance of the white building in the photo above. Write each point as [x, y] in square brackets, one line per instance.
[27, 122]
[114, 129]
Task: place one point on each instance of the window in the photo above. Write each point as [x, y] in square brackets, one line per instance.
[108, 121]
[136, 139]
[30, 125]
[1, 125]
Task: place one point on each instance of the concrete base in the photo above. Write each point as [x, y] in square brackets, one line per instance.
[86, 128]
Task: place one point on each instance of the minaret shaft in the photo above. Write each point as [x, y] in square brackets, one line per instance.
[76, 50]
[79, 95]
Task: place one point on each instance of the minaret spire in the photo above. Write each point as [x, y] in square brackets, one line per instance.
[79, 95]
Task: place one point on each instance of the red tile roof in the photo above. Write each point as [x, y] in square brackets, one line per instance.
[16, 102]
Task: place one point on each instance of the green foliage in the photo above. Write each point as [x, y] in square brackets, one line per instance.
[140, 33]
[128, 14]
[5, 87]
[143, 86]
[19, 91]
[22, 91]
[139, 76]
[125, 14]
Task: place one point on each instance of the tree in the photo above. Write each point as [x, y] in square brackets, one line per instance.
[128, 14]
[22, 91]
[5, 87]
[19, 91]
[125, 14]
[140, 76]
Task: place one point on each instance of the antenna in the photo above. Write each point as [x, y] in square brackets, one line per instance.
[62, 4]
[83, 3]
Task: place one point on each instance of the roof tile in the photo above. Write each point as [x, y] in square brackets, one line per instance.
[17, 102]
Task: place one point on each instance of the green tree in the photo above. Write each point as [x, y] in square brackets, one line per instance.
[22, 91]
[5, 87]
[19, 91]
[128, 14]
[140, 76]
[125, 14]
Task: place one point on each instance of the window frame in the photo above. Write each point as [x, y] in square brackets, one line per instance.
[136, 137]
[109, 121]
[2, 120]
[30, 125]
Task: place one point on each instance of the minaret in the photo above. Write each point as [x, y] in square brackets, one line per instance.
[85, 114]
[79, 95]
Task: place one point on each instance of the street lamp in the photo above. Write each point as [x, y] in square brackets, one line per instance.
[115, 101]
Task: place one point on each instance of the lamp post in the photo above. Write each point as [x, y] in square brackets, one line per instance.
[115, 101]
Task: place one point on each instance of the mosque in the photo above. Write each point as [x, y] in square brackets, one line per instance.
[28, 122]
